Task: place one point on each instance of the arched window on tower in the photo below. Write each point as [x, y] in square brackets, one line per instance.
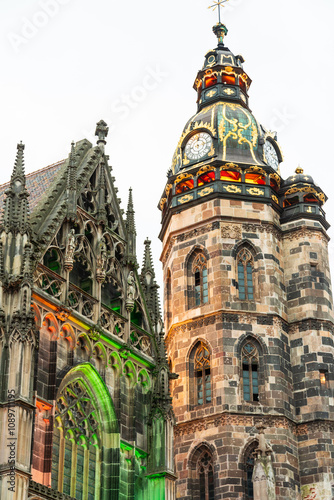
[202, 375]
[249, 462]
[200, 280]
[250, 372]
[201, 473]
[205, 475]
[245, 264]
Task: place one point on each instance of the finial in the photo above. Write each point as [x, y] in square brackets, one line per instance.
[18, 169]
[130, 214]
[218, 4]
[101, 132]
[299, 170]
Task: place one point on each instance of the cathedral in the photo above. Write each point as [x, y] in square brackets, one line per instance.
[227, 393]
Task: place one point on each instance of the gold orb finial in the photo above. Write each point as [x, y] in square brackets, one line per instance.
[299, 170]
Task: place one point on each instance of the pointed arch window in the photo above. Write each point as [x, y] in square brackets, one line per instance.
[202, 375]
[249, 469]
[205, 475]
[250, 372]
[200, 273]
[245, 275]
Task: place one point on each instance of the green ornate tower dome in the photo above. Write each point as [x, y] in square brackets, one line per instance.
[224, 128]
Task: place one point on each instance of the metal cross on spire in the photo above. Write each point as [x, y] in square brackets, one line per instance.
[218, 4]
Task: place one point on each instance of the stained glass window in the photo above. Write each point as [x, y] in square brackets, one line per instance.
[245, 275]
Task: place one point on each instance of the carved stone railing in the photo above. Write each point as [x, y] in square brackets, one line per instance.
[112, 322]
[37, 490]
[49, 282]
[82, 302]
[141, 340]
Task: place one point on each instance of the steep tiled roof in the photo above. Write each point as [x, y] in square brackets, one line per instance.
[37, 183]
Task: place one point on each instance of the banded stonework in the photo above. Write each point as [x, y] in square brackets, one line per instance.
[249, 331]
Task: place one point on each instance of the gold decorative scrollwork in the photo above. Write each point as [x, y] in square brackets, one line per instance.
[186, 198]
[162, 203]
[181, 177]
[255, 191]
[236, 129]
[306, 189]
[212, 151]
[277, 178]
[232, 189]
[185, 160]
[231, 166]
[208, 126]
[273, 197]
[255, 170]
[206, 191]
[168, 188]
[204, 169]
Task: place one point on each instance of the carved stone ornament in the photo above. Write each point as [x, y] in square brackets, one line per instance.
[232, 232]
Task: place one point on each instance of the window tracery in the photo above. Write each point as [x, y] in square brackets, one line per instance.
[76, 443]
[250, 372]
[200, 273]
[245, 265]
[202, 375]
[205, 474]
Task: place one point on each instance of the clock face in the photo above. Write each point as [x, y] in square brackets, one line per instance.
[271, 155]
[198, 146]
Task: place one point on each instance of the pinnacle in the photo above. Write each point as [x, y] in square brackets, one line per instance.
[130, 214]
[18, 170]
[148, 261]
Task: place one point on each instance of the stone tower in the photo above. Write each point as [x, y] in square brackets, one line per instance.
[248, 304]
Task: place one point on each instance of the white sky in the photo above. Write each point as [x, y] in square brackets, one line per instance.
[85, 61]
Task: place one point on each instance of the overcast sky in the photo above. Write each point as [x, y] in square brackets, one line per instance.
[68, 63]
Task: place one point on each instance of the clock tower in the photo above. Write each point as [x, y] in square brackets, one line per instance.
[248, 304]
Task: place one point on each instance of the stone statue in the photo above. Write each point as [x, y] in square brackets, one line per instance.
[131, 287]
[264, 447]
[70, 245]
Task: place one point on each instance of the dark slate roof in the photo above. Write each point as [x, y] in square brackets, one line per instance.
[37, 183]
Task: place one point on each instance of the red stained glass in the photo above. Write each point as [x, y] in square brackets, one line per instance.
[255, 179]
[310, 199]
[210, 80]
[229, 79]
[230, 176]
[274, 185]
[184, 186]
[206, 178]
